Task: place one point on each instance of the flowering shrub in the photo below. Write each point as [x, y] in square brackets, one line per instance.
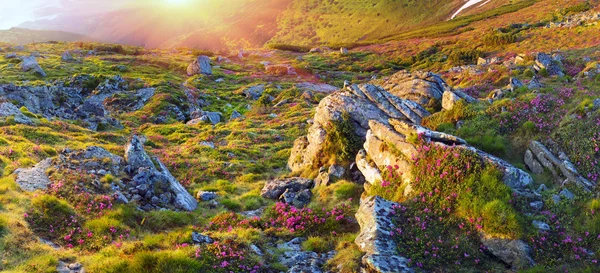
[544, 111]
[564, 245]
[284, 217]
[227, 256]
[436, 240]
[456, 180]
[581, 141]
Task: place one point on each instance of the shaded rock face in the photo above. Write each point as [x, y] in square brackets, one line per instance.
[77, 103]
[539, 157]
[291, 190]
[8, 109]
[374, 217]
[362, 103]
[424, 88]
[200, 66]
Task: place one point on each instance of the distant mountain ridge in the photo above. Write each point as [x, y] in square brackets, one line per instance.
[26, 36]
[242, 23]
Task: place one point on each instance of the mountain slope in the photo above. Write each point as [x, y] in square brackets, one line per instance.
[26, 36]
[252, 23]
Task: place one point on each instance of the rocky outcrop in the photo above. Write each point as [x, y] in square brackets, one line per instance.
[151, 177]
[515, 253]
[294, 191]
[375, 219]
[424, 88]
[73, 101]
[8, 109]
[545, 61]
[539, 157]
[200, 66]
[362, 103]
[137, 178]
[388, 144]
[34, 178]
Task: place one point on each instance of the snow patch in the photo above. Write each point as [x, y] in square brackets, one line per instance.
[466, 6]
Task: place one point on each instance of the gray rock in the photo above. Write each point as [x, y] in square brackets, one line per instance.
[534, 83]
[275, 188]
[19, 48]
[567, 194]
[596, 105]
[541, 225]
[206, 195]
[254, 92]
[235, 115]
[515, 84]
[8, 109]
[537, 205]
[30, 63]
[200, 66]
[515, 253]
[34, 178]
[329, 175]
[299, 261]
[533, 164]
[316, 87]
[556, 199]
[65, 267]
[209, 144]
[449, 99]
[136, 156]
[198, 238]
[374, 218]
[10, 55]
[67, 56]
[544, 61]
[424, 88]
[343, 51]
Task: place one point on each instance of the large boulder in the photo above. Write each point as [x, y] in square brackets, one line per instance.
[200, 66]
[361, 103]
[515, 253]
[254, 92]
[30, 63]
[375, 219]
[424, 88]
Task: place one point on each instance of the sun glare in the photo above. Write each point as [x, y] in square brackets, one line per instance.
[176, 2]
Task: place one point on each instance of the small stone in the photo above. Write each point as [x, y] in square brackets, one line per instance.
[542, 188]
[536, 205]
[567, 194]
[198, 238]
[556, 198]
[206, 195]
[541, 225]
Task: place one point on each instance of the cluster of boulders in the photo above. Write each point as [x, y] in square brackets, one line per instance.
[550, 157]
[74, 102]
[575, 20]
[294, 191]
[386, 118]
[135, 178]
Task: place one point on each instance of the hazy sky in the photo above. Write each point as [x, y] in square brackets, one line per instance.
[15, 12]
